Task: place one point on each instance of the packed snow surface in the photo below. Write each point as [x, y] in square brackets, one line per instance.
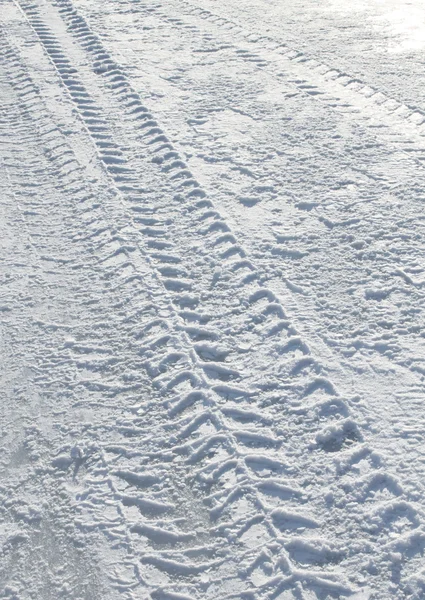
[212, 299]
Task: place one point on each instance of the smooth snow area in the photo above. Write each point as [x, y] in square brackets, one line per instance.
[212, 300]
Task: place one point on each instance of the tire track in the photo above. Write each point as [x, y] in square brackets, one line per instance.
[310, 77]
[321, 81]
[195, 372]
[46, 557]
[394, 280]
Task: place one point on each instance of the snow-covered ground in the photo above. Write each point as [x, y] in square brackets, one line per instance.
[212, 300]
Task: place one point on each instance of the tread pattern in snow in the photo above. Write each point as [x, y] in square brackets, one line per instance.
[311, 77]
[201, 481]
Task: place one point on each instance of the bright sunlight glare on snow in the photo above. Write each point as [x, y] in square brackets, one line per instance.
[402, 23]
[212, 300]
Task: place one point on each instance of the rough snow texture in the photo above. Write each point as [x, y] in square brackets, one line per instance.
[212, 303]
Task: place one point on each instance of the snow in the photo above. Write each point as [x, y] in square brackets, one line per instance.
[212, 300]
